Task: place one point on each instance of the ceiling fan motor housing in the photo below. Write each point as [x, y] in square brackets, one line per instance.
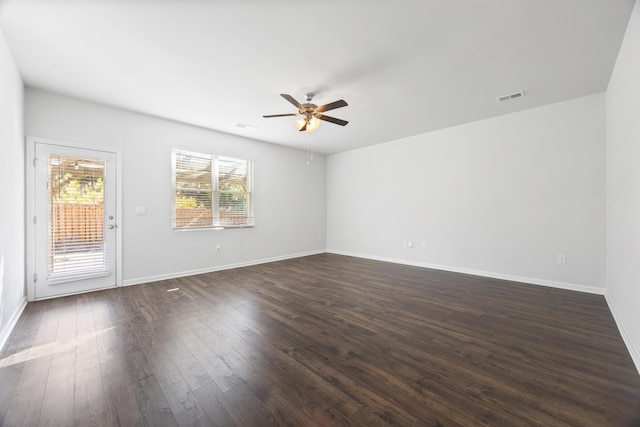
[307, 109]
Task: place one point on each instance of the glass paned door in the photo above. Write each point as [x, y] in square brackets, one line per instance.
[75, 220]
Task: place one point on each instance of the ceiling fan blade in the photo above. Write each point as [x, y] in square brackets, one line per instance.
[291, 100]
[332, 120]
[279, 115]
[303, 128]
[332, 106]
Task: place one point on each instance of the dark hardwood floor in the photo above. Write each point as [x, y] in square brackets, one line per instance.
[320, 341]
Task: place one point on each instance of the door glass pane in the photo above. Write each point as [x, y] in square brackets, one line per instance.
[76, 218]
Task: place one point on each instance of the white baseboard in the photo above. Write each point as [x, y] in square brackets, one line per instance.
[633, 350]
[140, 280]
[6, 331]
[529, 280]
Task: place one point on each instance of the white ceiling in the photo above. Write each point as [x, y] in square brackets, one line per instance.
[405, 67]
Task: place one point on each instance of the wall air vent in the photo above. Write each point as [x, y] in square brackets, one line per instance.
[511, 96]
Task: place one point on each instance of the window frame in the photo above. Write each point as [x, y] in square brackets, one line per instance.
[216, 221]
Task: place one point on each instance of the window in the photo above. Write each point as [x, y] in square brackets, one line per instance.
[211, 191]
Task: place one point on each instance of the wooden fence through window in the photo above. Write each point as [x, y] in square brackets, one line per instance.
[84, 222]
[77, 222]
[201, 217]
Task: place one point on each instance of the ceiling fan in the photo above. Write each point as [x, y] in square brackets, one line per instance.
[310, 114]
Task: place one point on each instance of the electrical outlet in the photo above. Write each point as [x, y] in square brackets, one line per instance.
[423, 245]
[562, 259]
[217, 248]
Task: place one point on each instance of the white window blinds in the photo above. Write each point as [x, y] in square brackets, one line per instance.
[77, 244]
[211, 191]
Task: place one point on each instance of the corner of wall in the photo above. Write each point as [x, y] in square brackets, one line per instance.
[622, 186]
[11, 323]
[626, 337]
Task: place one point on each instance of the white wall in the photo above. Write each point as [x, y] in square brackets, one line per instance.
[152, 250]
[623, 187]
[12, 289]
[500, 197]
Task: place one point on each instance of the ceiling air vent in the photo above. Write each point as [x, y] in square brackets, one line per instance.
[511, 96]
[244, 126]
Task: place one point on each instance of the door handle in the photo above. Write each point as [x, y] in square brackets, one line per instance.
[111, 226]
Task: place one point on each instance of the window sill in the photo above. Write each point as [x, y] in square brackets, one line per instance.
[214, 228]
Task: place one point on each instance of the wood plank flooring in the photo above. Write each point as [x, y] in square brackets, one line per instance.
[325, 340]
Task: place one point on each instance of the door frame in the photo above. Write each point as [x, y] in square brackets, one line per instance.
[30, 207]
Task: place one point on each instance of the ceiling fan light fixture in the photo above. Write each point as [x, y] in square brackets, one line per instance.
[313, 124]
[300, 123]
